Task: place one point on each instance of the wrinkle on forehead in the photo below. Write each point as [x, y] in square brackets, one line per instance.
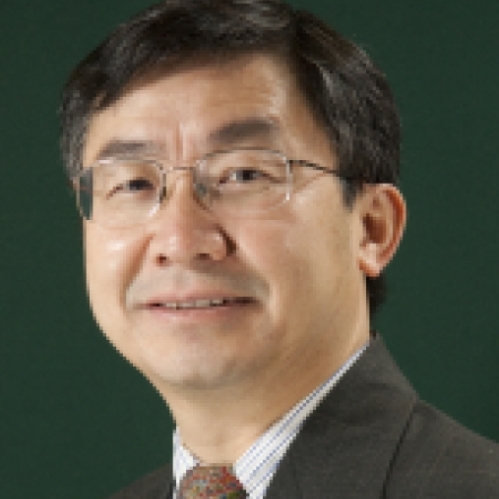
[227, 136]
[183, 115]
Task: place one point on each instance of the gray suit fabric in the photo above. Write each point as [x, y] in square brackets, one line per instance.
[372, 438]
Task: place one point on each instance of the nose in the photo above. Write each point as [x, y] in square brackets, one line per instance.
[184, 232]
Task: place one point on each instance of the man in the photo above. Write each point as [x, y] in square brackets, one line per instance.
[236, 165]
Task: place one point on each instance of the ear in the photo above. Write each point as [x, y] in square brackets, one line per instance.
[383, 215]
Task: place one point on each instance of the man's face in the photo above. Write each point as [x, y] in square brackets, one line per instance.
[295, 298]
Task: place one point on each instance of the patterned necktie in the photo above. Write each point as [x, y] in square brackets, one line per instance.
[210, 482]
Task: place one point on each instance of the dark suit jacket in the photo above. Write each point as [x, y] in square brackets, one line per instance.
[372, 438]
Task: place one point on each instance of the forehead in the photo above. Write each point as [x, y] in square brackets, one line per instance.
[204, 107]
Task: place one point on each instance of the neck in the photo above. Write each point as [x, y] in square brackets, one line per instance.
[219, 424]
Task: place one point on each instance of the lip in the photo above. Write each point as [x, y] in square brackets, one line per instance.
[195, 297]
[197, 305]
[231, 311]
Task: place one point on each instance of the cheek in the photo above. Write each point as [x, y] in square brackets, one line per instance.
[112, 257]
[280, 252]
[311, 255]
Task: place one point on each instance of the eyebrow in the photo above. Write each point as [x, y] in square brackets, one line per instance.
[116, 148]
[227, 135]
[245, 129]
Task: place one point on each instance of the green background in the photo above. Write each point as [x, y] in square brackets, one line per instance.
[76, 421]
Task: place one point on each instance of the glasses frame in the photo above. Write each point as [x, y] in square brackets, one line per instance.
[196, 169]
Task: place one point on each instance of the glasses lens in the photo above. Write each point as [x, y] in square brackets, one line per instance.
[238, 183]
[245, 181]
[119, 193]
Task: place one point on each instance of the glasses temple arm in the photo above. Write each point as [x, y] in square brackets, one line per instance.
[314, 166]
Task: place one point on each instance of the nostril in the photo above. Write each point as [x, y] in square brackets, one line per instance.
[161, 260]
[205, 256]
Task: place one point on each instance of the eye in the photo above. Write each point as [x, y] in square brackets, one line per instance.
[245, 171]
[139, 184]
[132, 186]
[244, 175]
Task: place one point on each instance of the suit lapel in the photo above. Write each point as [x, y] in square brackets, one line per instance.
[345, 448]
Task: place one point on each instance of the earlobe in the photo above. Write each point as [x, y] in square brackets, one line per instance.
[383, 216]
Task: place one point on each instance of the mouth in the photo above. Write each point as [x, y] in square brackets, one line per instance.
[201, 304]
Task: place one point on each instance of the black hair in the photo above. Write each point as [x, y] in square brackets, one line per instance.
[346, 93]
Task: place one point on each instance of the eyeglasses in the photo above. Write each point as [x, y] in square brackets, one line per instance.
[241, 183]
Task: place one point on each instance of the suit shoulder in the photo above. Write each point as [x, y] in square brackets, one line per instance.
[154, 485]
[439, 458]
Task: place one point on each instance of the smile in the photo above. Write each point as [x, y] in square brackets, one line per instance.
[200, 304]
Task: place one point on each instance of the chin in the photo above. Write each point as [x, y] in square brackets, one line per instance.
[186, 372]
